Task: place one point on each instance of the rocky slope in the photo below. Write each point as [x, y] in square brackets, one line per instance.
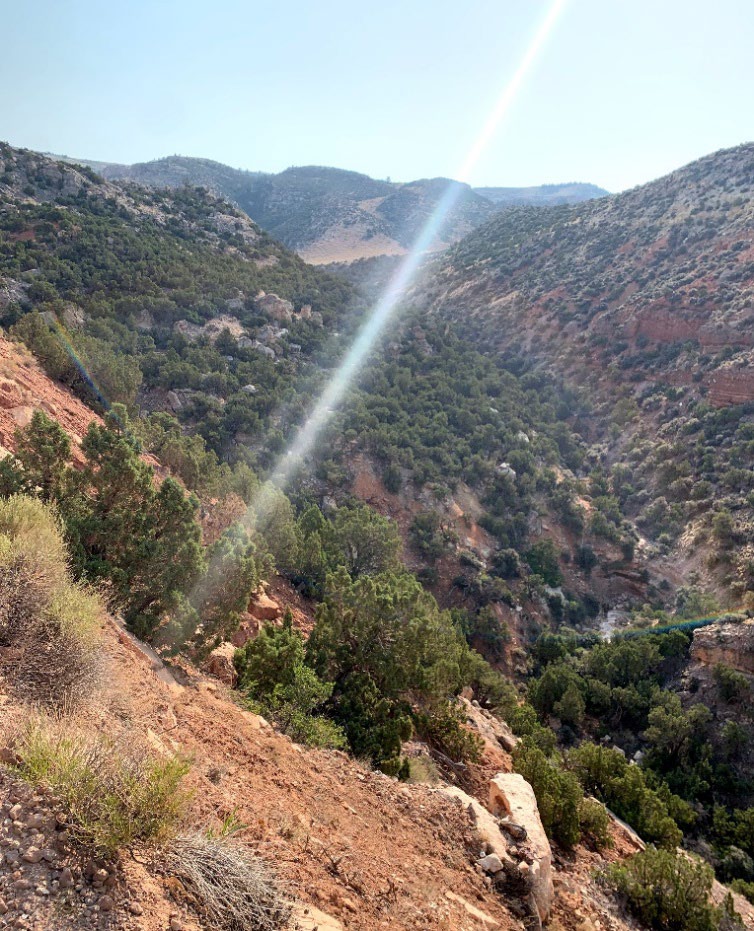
[645, 300]
[358, 849]
[331, 215]
[657, 281]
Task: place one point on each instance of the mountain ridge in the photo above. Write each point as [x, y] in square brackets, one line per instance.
[336, 215]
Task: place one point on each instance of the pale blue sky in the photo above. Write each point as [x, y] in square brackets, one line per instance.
[624, 91]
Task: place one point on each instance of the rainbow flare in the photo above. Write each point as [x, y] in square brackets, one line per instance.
[368, 336]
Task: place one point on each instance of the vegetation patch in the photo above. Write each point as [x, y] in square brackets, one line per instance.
[113, 796]
[229, 887]
[49, 625]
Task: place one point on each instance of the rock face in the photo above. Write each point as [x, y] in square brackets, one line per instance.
[731, 644]
[274, 306]
[512, 799]
[730, 386]
[489, 726]
[485, 824]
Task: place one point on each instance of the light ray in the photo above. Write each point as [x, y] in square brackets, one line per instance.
[262, 507]
[368, 336]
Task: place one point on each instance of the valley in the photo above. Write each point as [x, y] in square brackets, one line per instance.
[554, 441]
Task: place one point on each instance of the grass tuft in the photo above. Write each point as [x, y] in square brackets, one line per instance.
[113, 798]
[50, 625]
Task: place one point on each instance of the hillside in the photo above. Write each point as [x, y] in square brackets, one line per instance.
[349, 847]
[330, 215]
[229, 334]
[644, 301]
[430, 603]
[542, 195]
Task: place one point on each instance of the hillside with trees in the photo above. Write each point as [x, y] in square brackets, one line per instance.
[643, 303]
[447, 566]
[332, 215]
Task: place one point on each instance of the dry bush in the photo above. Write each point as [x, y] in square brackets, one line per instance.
[49, 625]
[113, 797]
[423, 769]
[232, 889]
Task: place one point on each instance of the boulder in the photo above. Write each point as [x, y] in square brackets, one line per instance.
[220, 664]
[274, 306]
[22, 415]
[246, 631]
[264, 608]
[512, 799]
[309, 918]
[485, 824]
[73, 316]
[490, 727]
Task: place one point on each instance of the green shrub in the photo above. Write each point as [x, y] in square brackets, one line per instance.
[594, 822]
[744, 888]
[445, 730]
[559, 795]
[272, 673]
[733, 685]
[112, 797]
[606, 773]
[668, 891]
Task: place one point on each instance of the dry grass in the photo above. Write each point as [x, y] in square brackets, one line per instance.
[50, 625]
[231, 888]
[113, 797]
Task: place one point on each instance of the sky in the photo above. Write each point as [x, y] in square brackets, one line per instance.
[622, 92]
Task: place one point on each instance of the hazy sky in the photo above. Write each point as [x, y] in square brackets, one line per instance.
[624, 91]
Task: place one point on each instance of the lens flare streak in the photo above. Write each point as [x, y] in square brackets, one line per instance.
[368, 337]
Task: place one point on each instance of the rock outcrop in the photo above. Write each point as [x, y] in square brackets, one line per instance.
[731, 644]
[516, 853]
[488, 725]
[220, 664]
[513, 800]
[264, 608]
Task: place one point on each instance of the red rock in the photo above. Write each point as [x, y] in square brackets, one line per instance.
[263, 608]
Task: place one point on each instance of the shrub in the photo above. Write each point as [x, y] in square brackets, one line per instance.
[669, 891]
[50, 625]
[594, 822]
[623, 788]
[112, 797]
[422, 769]
[446, 731]
[733, 685]
[271, 671]
[231, 889]
[559, 795]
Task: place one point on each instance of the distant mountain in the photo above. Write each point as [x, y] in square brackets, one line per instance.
[332, 215]
[542, 195]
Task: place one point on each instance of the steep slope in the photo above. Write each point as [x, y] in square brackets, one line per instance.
[135, 295]
[667, 264]
[355, 849]
[645, 300]
[332, 215]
